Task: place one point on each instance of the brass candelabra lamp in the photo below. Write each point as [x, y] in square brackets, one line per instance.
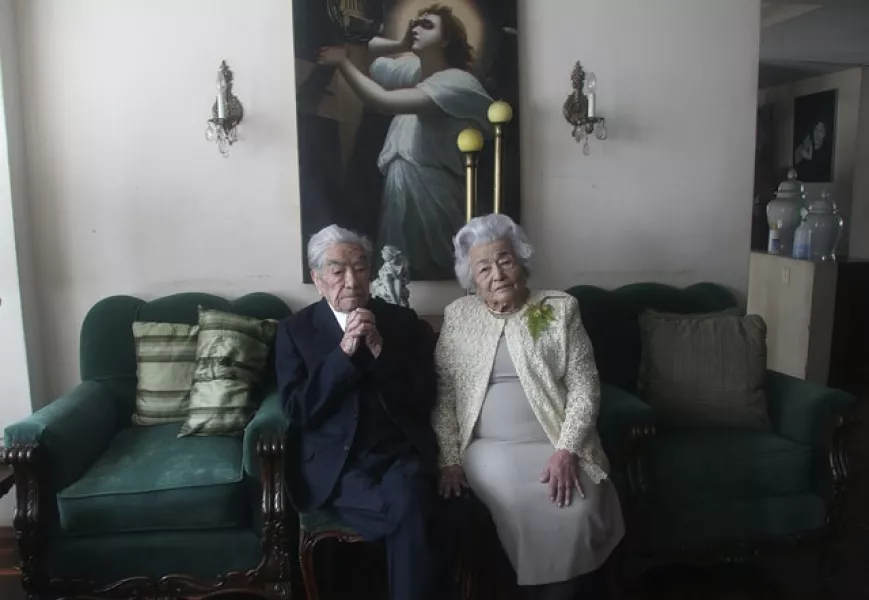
[226, 112]
[580, 108]
[470, 142]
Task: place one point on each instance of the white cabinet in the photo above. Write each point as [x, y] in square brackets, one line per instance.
[797, 299]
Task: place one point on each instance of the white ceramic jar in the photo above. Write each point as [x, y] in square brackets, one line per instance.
[784, 212]
[825, 226]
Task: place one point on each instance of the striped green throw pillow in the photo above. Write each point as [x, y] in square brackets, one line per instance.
[231, 360]
[165, 361]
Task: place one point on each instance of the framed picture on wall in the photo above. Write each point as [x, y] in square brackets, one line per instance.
[383, 87]
[815, 136]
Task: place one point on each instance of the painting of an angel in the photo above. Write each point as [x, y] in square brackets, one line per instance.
[379, 115]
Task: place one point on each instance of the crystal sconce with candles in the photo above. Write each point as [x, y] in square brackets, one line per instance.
[470, 142]
[226, 113]
[580, 108]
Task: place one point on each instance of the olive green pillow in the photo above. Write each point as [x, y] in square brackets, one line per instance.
[231, 360]
[704, 369]
[165, 361]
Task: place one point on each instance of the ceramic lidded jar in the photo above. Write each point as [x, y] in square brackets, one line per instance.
[784, 212]
[825, 226]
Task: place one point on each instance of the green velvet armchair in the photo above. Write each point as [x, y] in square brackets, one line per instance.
[723, 493]
[107, 509]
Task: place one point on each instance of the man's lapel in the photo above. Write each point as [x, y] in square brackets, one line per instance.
[327, 326]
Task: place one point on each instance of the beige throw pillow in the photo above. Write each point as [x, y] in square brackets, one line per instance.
[165, 361]
[704, 369]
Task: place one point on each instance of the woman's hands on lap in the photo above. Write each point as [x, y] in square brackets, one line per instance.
[452, 482]
[562, 475]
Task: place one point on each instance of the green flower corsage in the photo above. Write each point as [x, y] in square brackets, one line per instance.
[539, 316]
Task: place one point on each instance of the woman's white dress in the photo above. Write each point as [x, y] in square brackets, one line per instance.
[503, 465]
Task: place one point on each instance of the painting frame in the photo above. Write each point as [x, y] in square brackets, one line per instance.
[814, 136]
[344, 177]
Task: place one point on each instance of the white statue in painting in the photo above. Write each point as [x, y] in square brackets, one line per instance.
[433, 96]
[392, 278]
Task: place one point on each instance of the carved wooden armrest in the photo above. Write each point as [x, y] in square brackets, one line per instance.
[24, 460]
[271, 449]
[639, 441]
[840, 466]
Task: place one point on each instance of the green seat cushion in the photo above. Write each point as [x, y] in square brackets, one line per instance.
[151, 480]
[723, 522]
[718, 463]
[320, 521]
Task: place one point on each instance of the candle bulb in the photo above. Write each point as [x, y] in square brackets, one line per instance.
[590, 87]
[221, 94]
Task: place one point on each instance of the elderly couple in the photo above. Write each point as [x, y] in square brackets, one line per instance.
[384, 419]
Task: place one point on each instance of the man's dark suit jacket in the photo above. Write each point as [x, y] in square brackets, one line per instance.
[320, 388]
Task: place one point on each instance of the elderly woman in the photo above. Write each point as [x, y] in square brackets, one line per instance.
[515, 418]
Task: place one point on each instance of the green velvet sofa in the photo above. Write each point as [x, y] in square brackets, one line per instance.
[723, 493]
[108, 509]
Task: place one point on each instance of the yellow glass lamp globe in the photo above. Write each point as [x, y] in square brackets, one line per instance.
[500, 112]
[470, 140]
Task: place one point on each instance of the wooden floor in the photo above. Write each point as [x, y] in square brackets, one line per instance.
[10, 587]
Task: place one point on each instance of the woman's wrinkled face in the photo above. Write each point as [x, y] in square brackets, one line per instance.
[498, 276]
[426, 32]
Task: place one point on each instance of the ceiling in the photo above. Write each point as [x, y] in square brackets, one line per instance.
[803, 39]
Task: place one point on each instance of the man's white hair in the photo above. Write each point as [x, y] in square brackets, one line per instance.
[486, 230]
[333, 235]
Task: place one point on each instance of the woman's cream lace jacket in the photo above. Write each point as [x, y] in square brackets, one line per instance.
[557, 372]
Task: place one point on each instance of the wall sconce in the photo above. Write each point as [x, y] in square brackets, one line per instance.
[580, 110]
[470, 142]
[226, 113]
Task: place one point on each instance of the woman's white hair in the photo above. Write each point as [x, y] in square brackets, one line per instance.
[486, 230]
[333, 235]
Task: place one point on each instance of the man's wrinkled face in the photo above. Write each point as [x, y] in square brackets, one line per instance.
[345, 277]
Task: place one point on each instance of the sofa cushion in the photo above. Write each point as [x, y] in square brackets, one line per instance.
[151, 480]
[706, 369]
[231, 360]
[701, 464]
[611, 319]
[165, 361]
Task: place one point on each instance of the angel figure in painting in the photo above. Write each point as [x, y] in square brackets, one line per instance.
[424, 79]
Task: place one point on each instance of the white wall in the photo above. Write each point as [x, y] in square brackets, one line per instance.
[668, 196]
[849, 83]
[15, 392]
[129, 198]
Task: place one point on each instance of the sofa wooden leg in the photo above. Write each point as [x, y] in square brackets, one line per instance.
[306, 562]
[283, 590]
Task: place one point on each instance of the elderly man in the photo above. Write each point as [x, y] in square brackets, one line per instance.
[357, 379]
